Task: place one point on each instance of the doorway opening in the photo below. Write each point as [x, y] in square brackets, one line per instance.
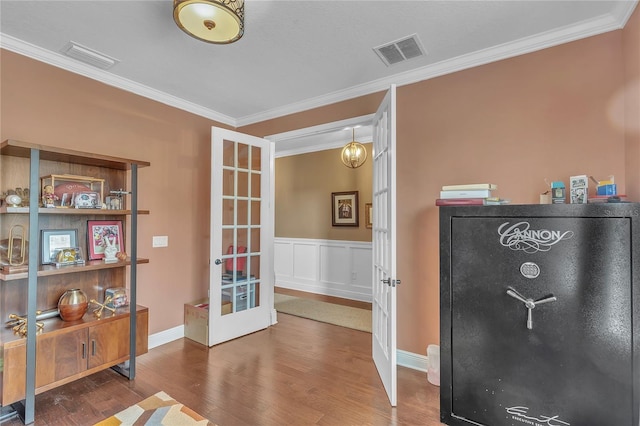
[323, 279]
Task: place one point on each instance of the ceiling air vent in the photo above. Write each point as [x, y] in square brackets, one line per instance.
[88, 56]
[400, 50]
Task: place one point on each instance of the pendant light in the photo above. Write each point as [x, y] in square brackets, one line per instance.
[213, 21]
[354, 154]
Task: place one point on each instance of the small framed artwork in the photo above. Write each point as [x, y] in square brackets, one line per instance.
[101, 234]
[344, 208]
[55, 239]
[368, 215]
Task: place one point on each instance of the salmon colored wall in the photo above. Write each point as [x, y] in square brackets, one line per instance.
[631, 92]
[304, 184]
[46, 105]
[513, 123]
[548, 114]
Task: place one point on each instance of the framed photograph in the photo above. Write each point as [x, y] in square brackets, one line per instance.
[54, 240]
[368, 215]
[344, 208]
[98, 232]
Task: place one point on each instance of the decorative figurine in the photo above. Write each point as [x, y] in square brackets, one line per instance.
[19, 324]
[48, 196]
[102, 306]
[110, 250]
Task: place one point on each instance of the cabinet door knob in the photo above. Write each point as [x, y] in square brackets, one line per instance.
[84, 350]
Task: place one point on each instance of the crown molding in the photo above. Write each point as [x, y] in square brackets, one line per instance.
[58, 60]
[610, 22]
[623, 11]
[584, 29]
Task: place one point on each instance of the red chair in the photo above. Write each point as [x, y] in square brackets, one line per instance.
[240, 261]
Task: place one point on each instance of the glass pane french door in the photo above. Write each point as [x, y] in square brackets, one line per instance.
[241, 285]
[384, 309]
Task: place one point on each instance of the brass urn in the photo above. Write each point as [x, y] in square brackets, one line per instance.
[73, 304]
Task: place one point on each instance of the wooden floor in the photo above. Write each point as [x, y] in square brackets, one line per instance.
[297, 372]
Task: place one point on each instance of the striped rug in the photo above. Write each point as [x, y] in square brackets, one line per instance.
[159, 409]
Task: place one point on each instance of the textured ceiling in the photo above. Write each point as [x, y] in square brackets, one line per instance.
[294, 55]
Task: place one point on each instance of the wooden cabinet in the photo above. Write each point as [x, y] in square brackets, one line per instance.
[71, 353]
[65, 351]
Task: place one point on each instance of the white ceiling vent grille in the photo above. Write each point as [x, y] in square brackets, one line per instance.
[88, 56]
[400, 50]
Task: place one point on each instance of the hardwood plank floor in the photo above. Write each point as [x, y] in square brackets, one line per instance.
[297, 372]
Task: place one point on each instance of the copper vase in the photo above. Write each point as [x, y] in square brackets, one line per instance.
[72, 304]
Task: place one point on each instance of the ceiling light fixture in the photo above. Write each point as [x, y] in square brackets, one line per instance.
[213, 21]
[354, 154]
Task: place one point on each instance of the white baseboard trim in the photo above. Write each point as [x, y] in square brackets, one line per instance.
[166, 336]
[297, 285]
[411, 360]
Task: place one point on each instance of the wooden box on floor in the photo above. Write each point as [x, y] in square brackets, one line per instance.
[196, 319]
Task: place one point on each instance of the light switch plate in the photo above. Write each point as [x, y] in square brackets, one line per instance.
[160, 241]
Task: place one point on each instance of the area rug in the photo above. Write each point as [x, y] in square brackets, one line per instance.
[345, 316]
[159, 409]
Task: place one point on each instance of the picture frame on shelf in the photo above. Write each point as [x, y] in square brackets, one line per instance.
[344, 208]
[87, 200]
[368, 215]
[97, 233]
[52, 240]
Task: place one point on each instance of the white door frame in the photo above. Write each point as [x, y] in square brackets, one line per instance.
[363, 120]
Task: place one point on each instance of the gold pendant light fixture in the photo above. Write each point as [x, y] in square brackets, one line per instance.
[354, 154]
[213, 21]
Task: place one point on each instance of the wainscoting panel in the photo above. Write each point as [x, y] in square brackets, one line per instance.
[331, 267]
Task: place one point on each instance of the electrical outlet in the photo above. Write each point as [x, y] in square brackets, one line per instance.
[160, 241]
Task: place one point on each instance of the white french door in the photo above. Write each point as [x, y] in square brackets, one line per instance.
[241, 247]
[384, 244]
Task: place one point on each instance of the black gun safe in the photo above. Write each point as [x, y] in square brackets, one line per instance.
[539, 315]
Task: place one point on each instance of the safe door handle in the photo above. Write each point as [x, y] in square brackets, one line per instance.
[530, 304]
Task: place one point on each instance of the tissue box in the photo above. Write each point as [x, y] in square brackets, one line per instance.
[608, 189]
[557, 192]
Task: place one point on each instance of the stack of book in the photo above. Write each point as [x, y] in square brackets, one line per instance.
[468, 195]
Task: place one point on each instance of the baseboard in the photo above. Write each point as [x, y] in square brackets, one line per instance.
[411, 360]
[314, 288]
[166, 336]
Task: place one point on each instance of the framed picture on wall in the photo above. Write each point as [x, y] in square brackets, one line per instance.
[368, 215]
[344, 208]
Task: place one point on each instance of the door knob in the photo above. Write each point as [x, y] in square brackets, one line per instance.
[217, 262]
